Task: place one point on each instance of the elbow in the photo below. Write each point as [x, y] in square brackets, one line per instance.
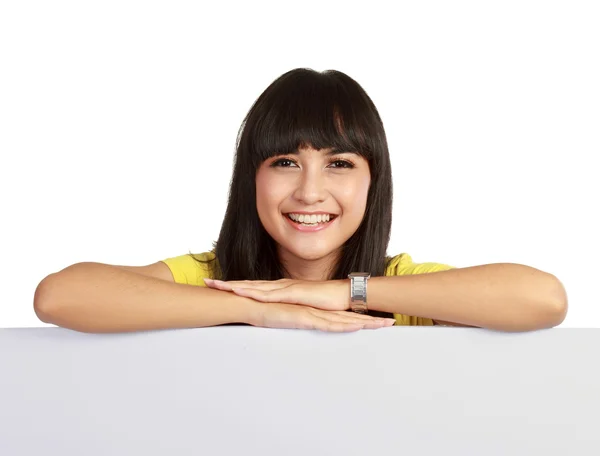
[558, 303]
[42, 303]
[48, 306]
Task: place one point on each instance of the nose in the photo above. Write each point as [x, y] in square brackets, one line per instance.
[311, 187]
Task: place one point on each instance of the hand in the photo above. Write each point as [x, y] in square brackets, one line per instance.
[326, 295]
[293, 316]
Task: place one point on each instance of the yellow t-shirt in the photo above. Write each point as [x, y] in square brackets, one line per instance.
[186, 270]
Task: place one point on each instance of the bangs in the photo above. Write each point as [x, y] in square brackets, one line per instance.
[310, 109]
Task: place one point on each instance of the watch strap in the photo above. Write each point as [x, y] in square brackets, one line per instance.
[358, 291]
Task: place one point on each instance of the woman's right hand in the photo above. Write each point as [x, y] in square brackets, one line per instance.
[294, 316]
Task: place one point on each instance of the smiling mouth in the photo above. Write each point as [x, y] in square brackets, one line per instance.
[332, 217]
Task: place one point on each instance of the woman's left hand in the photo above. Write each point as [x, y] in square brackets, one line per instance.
[326, 295]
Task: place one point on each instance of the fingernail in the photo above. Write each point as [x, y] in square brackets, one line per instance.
[208, 280]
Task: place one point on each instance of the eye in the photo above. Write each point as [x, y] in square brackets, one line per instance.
[287, 163]
[343, 164]
[280, 163]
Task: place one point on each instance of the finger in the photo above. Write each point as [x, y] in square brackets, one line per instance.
[238, 282]
[373, 323]
[322, 324]
[260, 295]
[337, 322]
[253, 284]
[321, 321]
[369, 322]
[220, 285]
[217, 284]
[366, 318]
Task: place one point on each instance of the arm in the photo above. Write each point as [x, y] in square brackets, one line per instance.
[502, 296]
[101, 298]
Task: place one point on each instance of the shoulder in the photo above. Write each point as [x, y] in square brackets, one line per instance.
[403, 264]
[191, 268]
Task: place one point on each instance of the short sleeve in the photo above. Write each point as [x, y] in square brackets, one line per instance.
[186, 269]
[403, 265]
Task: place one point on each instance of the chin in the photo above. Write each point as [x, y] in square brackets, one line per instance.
[308, 254]
[311, 257]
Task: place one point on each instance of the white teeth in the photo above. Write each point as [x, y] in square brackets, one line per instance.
[310, 219]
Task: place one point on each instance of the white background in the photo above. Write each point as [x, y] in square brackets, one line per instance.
[118, 122]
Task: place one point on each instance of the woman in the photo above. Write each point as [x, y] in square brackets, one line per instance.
[310, 203]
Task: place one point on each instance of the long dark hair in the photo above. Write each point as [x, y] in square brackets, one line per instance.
[302, 108]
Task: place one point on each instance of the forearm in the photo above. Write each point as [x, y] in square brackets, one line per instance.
[509, 297]
[100, 298]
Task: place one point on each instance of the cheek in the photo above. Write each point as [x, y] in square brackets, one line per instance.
[354, 196]
[269, 194]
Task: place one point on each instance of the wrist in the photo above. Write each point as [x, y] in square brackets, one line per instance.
[358, 291]
[343, 292]
[240, 309]
[253, 311]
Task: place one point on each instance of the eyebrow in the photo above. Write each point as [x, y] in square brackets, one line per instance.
[331, 152]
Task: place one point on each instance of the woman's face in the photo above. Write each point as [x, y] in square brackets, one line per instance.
[312, 181]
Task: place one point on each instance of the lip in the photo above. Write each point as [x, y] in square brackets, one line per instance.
[310, 229]
[310, 213]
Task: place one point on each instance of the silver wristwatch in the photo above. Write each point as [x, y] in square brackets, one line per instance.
[358, 291]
